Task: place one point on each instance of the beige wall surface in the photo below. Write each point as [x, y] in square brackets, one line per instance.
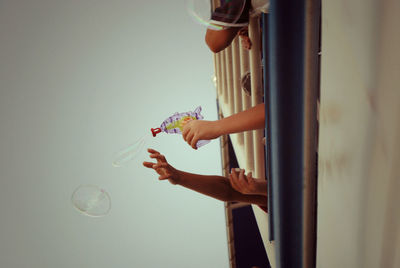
[359, 160]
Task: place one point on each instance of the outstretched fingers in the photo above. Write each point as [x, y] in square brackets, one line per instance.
[148, 164]
[160, 165]
[161, 161]
[160, 168]
[155, 166]
[164, 176]
[152, 151]
[159, 157]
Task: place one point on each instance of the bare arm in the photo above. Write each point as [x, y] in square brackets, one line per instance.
[253, 118]
[217, 187]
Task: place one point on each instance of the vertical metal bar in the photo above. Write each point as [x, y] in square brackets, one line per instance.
[246, 104]
[267, 128]
[256, 92]
[229, 84]
[218, 73]
[310, 130]
[286, 73]
[215, 72]
[223, 76]
[236, 83]
[228, 210]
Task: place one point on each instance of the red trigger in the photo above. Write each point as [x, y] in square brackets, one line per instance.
[155, 131]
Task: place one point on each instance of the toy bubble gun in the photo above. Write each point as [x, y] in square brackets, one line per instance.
[176, 122]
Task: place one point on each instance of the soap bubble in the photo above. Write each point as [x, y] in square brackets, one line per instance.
[130, 152]
[217, 17]
[91, 200]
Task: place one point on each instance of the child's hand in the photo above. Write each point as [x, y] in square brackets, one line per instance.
[244, 37]
[247, 184]
[197, 130]
[165, 170]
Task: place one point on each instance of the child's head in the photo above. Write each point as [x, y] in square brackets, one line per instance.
[231, 13]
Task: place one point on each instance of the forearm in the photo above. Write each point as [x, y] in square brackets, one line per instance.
[253, 118]
[217, 187]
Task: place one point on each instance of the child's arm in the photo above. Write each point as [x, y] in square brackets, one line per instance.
[253, 118]
[217, 187]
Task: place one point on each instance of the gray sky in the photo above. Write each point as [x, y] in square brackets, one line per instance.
[78, 81]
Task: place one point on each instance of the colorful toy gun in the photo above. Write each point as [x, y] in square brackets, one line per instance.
[173, 124]
[176, 122]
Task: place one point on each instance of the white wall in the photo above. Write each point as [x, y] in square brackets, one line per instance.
[78, 81]
[359, 160]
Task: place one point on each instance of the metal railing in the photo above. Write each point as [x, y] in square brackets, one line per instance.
[231, 65]
[291, 105]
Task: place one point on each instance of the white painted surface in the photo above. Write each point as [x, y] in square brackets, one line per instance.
[359, 161]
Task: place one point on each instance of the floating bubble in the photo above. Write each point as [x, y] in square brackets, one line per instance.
[130, 152]
[91, 200]
[228, 14]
